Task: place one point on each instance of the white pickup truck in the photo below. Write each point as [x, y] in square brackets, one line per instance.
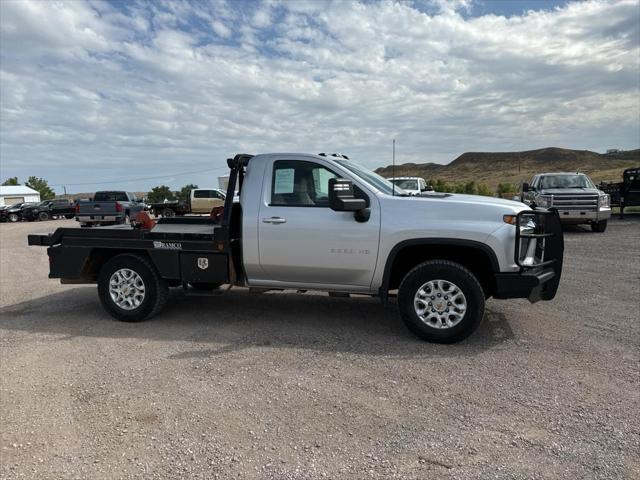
[311, 222]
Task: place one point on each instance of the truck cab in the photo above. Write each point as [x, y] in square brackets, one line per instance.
[324, 223]
[412, 185]
[203, 200]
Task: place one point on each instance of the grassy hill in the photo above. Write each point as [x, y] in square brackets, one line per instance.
[516, 167]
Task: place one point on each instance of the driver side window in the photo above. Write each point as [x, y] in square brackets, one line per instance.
[297, 183]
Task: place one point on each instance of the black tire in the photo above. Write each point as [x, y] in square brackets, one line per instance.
[156, 290]
[204, 287]
[14, 217]
[43, 216]
[599, 227]
[167, 213]
[457, 275]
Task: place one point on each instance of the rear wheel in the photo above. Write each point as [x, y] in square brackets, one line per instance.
[441, 301]
[167, 213]
[599, 227]
[130, 289]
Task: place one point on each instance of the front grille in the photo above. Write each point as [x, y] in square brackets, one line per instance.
[575, 202]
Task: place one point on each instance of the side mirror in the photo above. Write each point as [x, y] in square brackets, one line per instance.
[526, 187]
[341, 197]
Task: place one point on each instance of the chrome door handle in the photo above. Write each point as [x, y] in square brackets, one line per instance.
[274, 220]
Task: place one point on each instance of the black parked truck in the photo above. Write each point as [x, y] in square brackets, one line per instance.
[49, 210]
[626, 193]
[311, 222]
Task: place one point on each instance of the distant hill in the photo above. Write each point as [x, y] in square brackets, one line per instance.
[516, 167]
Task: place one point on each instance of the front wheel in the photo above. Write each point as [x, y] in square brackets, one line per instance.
[43, 216]
[599, 227]
[167, 213]
[130, 289]
[441, 301]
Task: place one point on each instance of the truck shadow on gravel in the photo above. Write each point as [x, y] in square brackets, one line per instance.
[239, 320]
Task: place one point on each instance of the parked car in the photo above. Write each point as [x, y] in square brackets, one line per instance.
[49, 209]
[308, 222]
[626, 193]
[573, 195]
[201, 200]
[108, 207]
[13, 213]
[412, 185]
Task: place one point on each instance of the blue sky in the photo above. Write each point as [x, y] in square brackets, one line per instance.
[138, 93]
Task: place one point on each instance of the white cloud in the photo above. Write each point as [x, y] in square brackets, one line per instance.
[221, 29]
[92, 92]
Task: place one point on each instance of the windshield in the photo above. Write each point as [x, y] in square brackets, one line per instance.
[565, 181]
[406, 184]
[372, 178]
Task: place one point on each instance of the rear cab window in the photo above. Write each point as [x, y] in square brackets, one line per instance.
[110, 197]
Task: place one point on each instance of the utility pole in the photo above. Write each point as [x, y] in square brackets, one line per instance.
[393, 168]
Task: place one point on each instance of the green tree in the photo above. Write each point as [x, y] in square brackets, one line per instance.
[483, 189]
[42, 186]
[459, 188]
[470, 187]
[158, 194]
[10, 181]
[506, 188]
[185, 192]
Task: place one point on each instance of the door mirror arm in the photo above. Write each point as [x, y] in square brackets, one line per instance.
[362, 215]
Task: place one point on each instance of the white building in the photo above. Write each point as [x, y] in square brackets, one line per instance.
[12, 194]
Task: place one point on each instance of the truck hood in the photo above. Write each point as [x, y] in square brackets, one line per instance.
[568, 191]
[473, 199]
[452, 205]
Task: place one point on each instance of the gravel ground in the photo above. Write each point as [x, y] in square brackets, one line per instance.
[292, 386]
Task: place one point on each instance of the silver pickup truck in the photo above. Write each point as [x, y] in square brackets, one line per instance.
[311, 222]
[108, 207]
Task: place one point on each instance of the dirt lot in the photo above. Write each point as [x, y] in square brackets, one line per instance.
[306, 386]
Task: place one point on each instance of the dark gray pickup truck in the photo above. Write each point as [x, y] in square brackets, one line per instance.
[573, 195]
[108, 208]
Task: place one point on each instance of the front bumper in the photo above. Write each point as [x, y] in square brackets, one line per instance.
[535, 285]
[573, 216]
[539, 253]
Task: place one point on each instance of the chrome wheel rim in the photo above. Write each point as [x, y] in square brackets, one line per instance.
[126, 289]
[440, 304]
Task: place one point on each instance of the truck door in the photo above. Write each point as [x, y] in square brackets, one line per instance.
[301, 240]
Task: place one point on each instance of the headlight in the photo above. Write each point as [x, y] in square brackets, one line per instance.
[604, 201]
[543, 201]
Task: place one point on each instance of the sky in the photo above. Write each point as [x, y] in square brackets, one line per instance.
[97, 94]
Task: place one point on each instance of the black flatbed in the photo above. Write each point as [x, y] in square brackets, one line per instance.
[182, 250]
[172, 230]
